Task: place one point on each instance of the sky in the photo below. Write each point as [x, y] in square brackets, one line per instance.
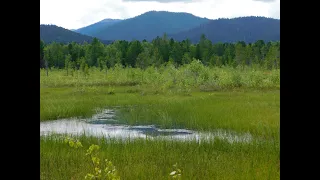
[74, 14]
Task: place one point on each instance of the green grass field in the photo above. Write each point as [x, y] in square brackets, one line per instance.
[193, 97]
[143, 159]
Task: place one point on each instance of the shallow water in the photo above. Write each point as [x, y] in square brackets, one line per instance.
[105, 124]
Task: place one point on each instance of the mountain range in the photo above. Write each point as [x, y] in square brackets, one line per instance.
[97, 27]
[178, 26]
[150, 25]
[53, 33]
[247, 29]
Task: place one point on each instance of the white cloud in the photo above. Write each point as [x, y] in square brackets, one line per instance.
[73, 14]
[266, 0]
[161, 1]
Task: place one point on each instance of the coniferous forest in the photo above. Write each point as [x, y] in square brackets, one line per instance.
[159, 51]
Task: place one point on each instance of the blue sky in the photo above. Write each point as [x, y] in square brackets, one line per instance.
[73, 14]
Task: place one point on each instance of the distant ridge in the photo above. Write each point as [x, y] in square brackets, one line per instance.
[247, 29]
[51, 33]
[97, 27]
[149, 25]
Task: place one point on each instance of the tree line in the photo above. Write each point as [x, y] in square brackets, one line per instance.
[159, 51]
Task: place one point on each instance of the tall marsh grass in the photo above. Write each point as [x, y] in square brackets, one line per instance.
[149, 159]
[254, 112]
[192, 96]
[193, 75]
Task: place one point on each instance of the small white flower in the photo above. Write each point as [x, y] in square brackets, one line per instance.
[173, 173]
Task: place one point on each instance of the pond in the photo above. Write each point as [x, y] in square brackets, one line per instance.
[104, 124]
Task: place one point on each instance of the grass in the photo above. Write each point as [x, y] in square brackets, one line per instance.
[193, 75]
[69, 101]
[255, 112]
[144, 159]
[193, 97]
